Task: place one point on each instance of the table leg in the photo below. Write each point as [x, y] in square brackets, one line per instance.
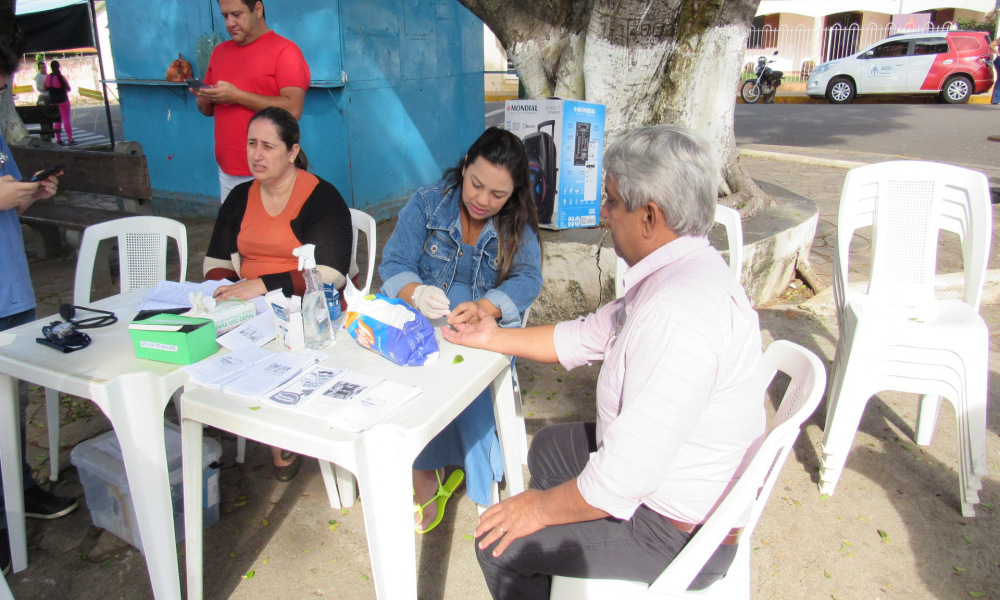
[386, 481]
[136, 404]
[191, 450]
[10, 466]
[502, 389]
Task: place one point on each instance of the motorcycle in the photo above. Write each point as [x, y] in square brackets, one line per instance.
[765, 85]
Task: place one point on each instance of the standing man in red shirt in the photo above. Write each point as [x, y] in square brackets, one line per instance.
[256, 69]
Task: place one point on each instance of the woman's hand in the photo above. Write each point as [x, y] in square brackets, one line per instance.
[466, 312]
[244, 290]
[431, 301]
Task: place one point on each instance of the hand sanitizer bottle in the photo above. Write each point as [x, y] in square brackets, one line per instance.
[315, 316]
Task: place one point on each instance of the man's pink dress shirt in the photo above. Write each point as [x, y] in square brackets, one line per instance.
[676, 404]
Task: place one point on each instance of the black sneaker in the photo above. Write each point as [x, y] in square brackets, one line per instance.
[4, 552]
[39, 504]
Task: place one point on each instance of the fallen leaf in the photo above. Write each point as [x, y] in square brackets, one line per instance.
[848, 554]
[967, 539]
[961, 569]
[976, 594]
[266, 560]
[254, 408]
[250, 574]
[796, 502]
[232, 555]
[824, 496]
[458, 359]
[240, 503]
[467, 536]
[331, 522]
[862, 519]
[907, 447]
[558, 380]
[364, 577]
[827, 575]
[983, 504]
[883, 534]
[265, 522]
[238, 531]
[333, 527]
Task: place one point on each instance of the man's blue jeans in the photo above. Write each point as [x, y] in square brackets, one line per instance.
[22, 387]
[996, 86]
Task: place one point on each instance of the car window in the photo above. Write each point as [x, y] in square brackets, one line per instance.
[890, 49]
[966, 43]
[930, 46]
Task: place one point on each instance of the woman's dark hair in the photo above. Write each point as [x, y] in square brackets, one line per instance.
[288, 130]
[55, 71]
[503, 149]
[8, 61]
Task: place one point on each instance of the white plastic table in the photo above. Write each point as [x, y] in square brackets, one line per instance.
[381, 457]
[132, 392]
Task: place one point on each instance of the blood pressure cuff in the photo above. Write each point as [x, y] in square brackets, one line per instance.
[392, 328]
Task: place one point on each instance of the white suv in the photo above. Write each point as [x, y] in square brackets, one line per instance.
[954, 64]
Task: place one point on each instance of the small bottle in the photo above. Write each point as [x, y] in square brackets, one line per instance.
[315, 316]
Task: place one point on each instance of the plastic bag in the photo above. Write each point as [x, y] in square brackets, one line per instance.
[392, 328]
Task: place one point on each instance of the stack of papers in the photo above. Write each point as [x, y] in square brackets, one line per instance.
[216, 371]
[267, 375]
[168, 295]
[344, 399]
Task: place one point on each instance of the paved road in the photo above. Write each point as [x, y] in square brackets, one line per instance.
[953, 134]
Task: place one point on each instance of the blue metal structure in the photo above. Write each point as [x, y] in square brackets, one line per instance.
[396, 95]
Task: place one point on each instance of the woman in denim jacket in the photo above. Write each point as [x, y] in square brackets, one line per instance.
[466, 247]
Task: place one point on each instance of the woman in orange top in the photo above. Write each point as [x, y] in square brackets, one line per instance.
[263, 220]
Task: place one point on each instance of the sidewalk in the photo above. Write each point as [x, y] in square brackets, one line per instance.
[805, 546]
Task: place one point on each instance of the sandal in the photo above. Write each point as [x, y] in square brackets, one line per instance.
[440, 499]
[288, 472]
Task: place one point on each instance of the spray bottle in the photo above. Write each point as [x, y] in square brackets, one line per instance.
[315, 316]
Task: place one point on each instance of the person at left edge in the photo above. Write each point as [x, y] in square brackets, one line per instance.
[17, 305]
[283, 208]
[254, 70]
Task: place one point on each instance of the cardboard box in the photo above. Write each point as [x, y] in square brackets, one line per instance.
[288, 326]
[565, 144]
[174, 338]
[228, 314]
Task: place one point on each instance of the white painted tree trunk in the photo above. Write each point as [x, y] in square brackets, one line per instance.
[11, 126]
[647, 61]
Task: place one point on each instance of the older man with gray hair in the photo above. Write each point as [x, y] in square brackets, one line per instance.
[677, 408]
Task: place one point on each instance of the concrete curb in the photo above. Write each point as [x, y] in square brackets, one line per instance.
[983, 98]
[950, 286]
[800, 159]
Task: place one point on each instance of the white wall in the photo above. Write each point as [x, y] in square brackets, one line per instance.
[494, 57]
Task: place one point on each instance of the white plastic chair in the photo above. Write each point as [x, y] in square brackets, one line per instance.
[142, 260]
[747, 497]
[729, 218]
[5, 593]
[897, 336]
[336, 478]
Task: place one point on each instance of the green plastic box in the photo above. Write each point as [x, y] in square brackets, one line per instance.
[174, 338]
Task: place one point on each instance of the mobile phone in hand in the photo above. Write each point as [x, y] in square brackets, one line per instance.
[42, 175]
[195, 83]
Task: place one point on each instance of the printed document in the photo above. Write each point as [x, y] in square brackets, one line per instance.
[215, 371]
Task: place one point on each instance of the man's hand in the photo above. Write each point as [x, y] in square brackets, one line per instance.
[14, 193]
[513, 518]
[47, 187]
[244, 290]
[473, 335]
[222, 92]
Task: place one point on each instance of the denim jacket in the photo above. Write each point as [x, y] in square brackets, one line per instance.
[425, 243]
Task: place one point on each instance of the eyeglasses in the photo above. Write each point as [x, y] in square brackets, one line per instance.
[619, 324]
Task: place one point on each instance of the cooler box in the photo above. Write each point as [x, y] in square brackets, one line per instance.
[102, 474]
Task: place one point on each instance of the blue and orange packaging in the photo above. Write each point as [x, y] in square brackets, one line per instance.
[392, 328]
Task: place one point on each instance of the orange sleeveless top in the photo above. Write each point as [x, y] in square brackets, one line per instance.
[265, 242]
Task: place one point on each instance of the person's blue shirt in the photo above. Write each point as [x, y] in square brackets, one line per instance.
[424, 249]
[16, 293]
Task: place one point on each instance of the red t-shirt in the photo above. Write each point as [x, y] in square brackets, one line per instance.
[261, 67]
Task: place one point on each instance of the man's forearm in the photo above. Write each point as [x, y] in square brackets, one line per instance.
[204, 107]
[565, 504]
[533, 343]
[256, 102]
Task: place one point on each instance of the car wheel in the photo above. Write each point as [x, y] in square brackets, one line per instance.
[840, 91]
[956, 90]
[750, 91]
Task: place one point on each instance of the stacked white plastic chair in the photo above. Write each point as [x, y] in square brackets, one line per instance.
[340, 483]
[897, 336]
[748, 496]
[730, 219]
[142, 262]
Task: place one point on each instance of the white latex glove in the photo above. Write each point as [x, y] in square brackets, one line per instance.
[431, 301]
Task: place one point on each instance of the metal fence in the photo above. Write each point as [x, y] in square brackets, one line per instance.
[800, 49]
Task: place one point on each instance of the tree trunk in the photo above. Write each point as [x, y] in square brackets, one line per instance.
[647, 61]
[11, 126]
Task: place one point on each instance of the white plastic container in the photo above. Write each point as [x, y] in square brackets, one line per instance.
[102, 474]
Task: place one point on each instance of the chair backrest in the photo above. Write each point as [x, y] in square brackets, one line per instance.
[907, 203]
[5, 593]
[362, 221]
[142, 252]
[751, 491]
[724, 215]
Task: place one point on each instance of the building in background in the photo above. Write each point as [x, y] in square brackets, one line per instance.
[806, 33]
